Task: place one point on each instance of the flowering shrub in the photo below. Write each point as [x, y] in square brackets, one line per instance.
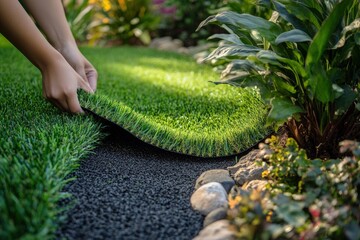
[307, 199]
[125, 21]
[79, 15]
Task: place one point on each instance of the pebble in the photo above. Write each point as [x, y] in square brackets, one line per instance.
[215, 215]
[208, 198]
[221, 176]
[252, 172]
[244, 161]
[220, 230]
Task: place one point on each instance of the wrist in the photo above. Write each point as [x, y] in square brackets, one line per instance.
[64, 45]
[52, 59]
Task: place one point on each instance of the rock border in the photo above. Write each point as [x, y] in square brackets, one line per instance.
[213, 189]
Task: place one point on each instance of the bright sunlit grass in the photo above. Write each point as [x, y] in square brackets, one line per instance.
[166, 99]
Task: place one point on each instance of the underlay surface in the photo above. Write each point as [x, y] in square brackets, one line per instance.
[130, 190]
[166, 99]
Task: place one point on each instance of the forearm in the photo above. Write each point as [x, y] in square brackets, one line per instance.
[21, 31]
[50, 16]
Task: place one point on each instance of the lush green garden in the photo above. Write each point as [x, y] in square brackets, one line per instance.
[297, 61]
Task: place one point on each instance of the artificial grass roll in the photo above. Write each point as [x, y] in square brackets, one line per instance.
[166, 100]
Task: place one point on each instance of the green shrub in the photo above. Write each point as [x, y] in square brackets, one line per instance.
[305, 61]
[179, 19]
[123, 21]
[307, 199]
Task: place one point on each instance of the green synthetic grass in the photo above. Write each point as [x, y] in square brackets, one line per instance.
[166, 99]
[162, 98]
[39, 146]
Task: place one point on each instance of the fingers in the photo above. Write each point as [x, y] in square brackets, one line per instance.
[81, 72]
[85, 86]
[73, 103]
[91, 75]
[92, 78]
[69, 104]
[58, 105]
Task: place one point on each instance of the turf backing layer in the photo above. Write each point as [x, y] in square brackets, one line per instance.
[166, 99]
[39, 147]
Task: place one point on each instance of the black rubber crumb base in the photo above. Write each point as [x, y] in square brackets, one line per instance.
[130, 190]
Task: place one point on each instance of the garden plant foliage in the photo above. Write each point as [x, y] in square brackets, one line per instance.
[165, 99]
[122, 21]
[305, 61]
[39, 147]
[80, 17]
[306, 199]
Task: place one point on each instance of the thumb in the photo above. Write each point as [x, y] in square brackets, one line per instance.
[85, 86]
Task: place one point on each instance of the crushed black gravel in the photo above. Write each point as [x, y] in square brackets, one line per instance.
[130, 190]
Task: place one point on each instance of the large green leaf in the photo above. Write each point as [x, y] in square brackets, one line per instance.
[343, 103]
[320, 85]
[266, 29]
[294, 35]
[231, 38]
[303, 13]
[296, 22]
[233, 50]
[273, 58]
[244, 65]
[282, 109]
[322, 37]
[283, 86]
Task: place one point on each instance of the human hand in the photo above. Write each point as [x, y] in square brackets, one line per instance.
[60, 84]
[80, 64]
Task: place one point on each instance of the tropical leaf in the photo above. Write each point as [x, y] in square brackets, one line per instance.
[282, 109]
[345, 100]
[320, 41]
[294, 35]
[232, 50]
[266, 29]
[238, 65]
[231, 38]
[283, 86]
[296, 22]
[320, 85]
[303, 13]
[273, 58]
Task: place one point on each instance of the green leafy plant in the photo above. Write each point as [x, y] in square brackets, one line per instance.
[79, 15]
[306, 199]
[179, 19]
[123, 21]
[305, 62]
[247, 6]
